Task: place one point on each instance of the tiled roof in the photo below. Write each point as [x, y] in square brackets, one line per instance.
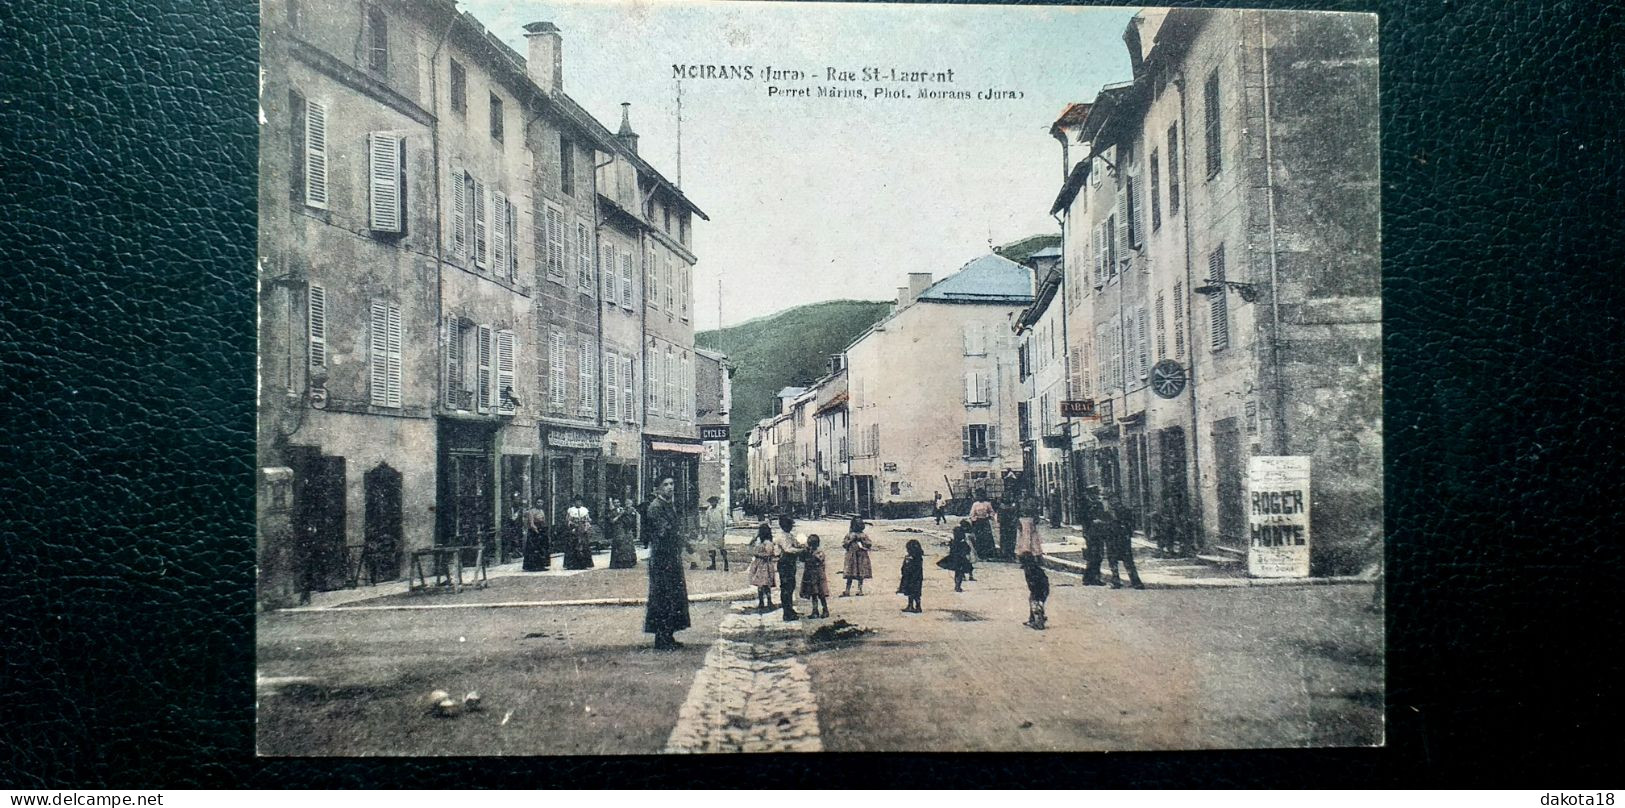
[989, 279]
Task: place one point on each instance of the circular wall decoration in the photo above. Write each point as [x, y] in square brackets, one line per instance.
[1167, 378]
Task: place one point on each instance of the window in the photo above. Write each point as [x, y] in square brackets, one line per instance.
[685, 392]
[1102, 357]
[567, 180]
[386, 182]
[482, 226]
[511, 237]
[654, 378]
[384, 356]
[317, 329]
[896, 488]
[1156, 198]
[461, 194]
[377, 39]
[1021, 360]
[652, 273]
[975, 339]
[1128, 334]
[978, 389]
[1173, 170]
[682, 228]
[1210, 119]
[1162, 330]
[671, 285]
[1218, 306]
[980, 442]
[1024, 424]
[583, 256]
[496, 118]
[310, 152]
[456, 387]
[555, 243]
[459, 88]
[628, 403]
[485, 382]
[608, 269]
[499, 233]
[555, 369]
[1144, 344]
[612, 386]
[588, 361]
[1179, 320]
[670, 373]
[507, 355]
[626, 280]
[666, 209]
[685, 271]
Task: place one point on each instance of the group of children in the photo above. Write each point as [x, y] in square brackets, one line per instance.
[767, 555]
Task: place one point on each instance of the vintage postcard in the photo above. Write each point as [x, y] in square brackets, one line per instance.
[702, 377]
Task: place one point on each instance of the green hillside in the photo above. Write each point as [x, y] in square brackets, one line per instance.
[790, 348]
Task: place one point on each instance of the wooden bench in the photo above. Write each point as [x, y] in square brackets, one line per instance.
[446, 566]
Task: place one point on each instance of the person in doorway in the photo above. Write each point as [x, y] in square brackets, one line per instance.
[1028, 539]
[762, 562]
[857, 566]
[578, 525]
[1054, 506]
[714, 529]
[939, 506]
[981, 521]
[958, 559]
[623, 550]
[513, 528]
[1037, 590]
[814, 578]
[1120, 545]
[537, 557]
[789, 551]
[667, 609]
[1094, 536]
[1004, 514]
[912, 576]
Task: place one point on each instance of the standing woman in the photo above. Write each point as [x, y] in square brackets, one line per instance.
[1007, 515]
[1028, 539]
[537, 557]
[761, 567]
[578, 555]
[857, 546]
[623, 553]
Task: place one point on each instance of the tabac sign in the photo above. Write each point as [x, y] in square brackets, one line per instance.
[1278, 517]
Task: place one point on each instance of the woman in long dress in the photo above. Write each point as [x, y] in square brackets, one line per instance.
[623, 552]
[537, 556]
[578, 555]
[857, 567]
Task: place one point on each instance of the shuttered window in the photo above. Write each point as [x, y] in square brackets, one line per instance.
[651, 282]
[485, 368]
[1155, 195]
[555, 243]
[1218, 304]
[671, 382]
[584, 253]
[1162, 329]
[1080, 373]
[459, 216]
[612, 386]
[555, 369]
[1100, 254]
[1173, 170]
[684, 271]
[318, 328]
[507, 358]
[1120, 221]
[974, 339]
[386, 174]
[1102, 358]
[1144, 345]
[1210, 119]
[628, 402]
[316, 154]
[384, 359]
[609, 270]
[512, 218]
[685, 389]
[1136, 216]
[482, 225]
[671, 286]
[654, 380]
[626, 281]
[1179, 320]
[499, 233]
[586, 371]
[1128, 334]
[453, 380]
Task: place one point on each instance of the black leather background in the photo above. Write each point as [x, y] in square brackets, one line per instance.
[126, 566]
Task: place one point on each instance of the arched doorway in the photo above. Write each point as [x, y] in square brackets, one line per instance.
[381, 553]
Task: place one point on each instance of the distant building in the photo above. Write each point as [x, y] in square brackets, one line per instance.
[713, 387]
[932, 389]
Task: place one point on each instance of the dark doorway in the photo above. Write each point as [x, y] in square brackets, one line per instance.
[381, 549]
[320, 555]
[560, 487]
[1227, 459]
[866, 496]
[514, 501]
[1139, 480]
[1174, 505]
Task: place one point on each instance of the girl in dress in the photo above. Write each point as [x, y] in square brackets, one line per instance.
[814, 581]
[958, 559]
[762, 563]
[857, 546]
[913, 575]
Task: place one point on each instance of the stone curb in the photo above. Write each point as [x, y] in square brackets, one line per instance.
[1153, 580]
[522, 604]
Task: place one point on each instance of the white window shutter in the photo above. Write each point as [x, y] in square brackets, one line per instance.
[612, 386]
[459, 216]
[499, 231]
[970, 388]
[482, 226]
[987, 389]
[318, 327]
[607, 268]
[378, 355]
[513, 242]
[626, 281]
[1218, 305]
[315, 154]
[1179, 320]
[507, 351]
[964, 441]
[1144, 346]
[555, 242]
[555, 369]
[1122, 220]
[1162, 328]
[453, 366]
[671, 291]
[486, 382]
[394, 367]
[383, 181]
[651, 273]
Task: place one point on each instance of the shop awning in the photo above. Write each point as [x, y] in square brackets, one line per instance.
[682, 448]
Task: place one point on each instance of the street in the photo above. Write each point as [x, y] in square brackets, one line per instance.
[1164, 668]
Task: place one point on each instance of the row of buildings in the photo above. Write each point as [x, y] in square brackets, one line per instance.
[1215, 296]
[472, 295]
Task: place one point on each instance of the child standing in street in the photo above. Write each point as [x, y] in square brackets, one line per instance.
[761, 567]
[814, 581]
[958, 558]
[913, 575]
[1037, 590]
[857, 566]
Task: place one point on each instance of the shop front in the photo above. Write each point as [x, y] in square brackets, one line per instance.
[679, 459]
[570, 465]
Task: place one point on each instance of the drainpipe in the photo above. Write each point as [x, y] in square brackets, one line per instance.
[439, 247]
[598, 295]
[1066, 344]
[1275, 295]
[1190, 332]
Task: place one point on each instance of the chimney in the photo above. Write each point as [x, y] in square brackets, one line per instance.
[626, 136]
[545, 64]
[918, 282]
[902, 297]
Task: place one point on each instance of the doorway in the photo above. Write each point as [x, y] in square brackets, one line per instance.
[381, 547]
[1227, 460]
[319, 530]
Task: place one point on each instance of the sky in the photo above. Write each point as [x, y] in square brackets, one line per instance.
[816, 199]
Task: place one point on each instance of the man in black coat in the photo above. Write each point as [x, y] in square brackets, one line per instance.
[1120, 544]
[667, 610]
[1096, 528]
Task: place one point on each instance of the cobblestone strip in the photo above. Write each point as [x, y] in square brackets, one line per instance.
[752, 694]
